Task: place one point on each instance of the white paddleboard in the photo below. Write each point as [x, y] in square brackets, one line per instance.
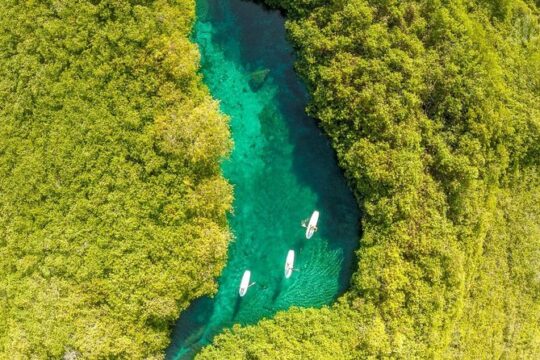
[312, 225]
[289, 264]
[244, 284]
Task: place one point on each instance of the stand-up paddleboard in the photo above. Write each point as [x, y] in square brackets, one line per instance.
[311, 226]
[289, 264]
[244, 284]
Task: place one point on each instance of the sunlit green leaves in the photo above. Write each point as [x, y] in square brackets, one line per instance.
[112, 206]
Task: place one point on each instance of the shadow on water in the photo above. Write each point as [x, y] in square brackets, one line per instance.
[236, 307]
[299, 244]
[277, 292]
[190, 329]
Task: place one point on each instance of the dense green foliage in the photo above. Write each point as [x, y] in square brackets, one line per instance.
[112, 206]
[433, 108]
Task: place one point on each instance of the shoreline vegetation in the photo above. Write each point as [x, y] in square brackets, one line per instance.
[434, 111]
[112, 204]
[113, 207]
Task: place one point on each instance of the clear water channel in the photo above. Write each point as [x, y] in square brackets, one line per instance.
[282, 168]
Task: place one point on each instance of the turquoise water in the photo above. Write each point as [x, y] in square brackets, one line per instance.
[282, 169]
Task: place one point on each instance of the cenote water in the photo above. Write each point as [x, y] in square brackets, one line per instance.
[282, 168]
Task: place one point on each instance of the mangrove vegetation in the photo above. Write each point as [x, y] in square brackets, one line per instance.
[112, 204]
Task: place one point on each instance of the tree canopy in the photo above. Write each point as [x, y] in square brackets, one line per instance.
[112, 204]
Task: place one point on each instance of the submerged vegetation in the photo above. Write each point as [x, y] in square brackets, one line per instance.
[112, 205]
[434, 111]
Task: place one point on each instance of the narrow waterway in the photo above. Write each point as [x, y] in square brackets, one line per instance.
[282, 168]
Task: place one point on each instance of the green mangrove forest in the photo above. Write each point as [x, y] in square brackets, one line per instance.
[120, 205]
[112, 203]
